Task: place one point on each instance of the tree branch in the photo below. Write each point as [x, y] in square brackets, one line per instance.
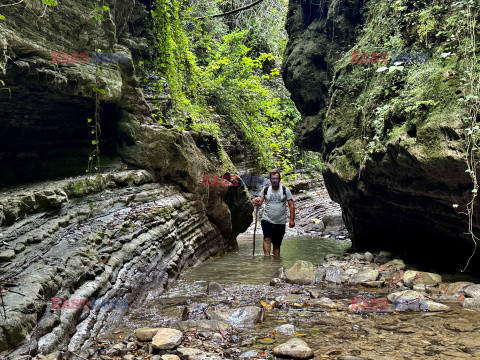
[232, 11]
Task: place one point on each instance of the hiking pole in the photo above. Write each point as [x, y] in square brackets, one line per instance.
[255, 229]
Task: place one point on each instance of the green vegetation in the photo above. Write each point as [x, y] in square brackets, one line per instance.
[222, 76]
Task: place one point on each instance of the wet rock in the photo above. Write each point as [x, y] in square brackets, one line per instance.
[7, 255]
[351, 272]
[419, 287]
[412, 277]
[364, 276]
[129, 357]
[53, 356]
[324, 301]
[333, 223]
[368, 256]
[431, 305]
[471, 303]
[350, 357]
[294, 348]
[335, 274]
[314, 294]
[287, 329]
[116, 350]
[276, 282]
[319, 274]
[170, 357]
[201, 325]
[214, 288]
[457, 288]
[217, 337]
[196, 354]
[473, 291]
[396, 264]
[373, 284]
[239, 317]
[248, 354]
[405, 296]
[302, 272]
[146, 334]
[167, 338]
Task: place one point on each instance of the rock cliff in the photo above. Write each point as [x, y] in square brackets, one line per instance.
[390, 130]
[117, 234]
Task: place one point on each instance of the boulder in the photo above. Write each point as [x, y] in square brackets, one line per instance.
[294, 348]
[335, 274]
[471, 303]
[412, 277]
[287, 329]
[473, 291]
[368, 256]
[457, 288]
[396, 264]
[146, 334]
[363, 276]
[167, 338]
[319, 274]
[239, 317]
[212, 325]
[302, 272]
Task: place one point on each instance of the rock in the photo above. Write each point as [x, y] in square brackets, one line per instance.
[170, 357]
[301, 272]
[373, 284]
[405, 296]
[333, 223]
[457, 288]
[145, 334]
[319, 274]
[287, 329]
[52, 356]
[420, 287]
[396, 264]
[129, 357]
[196, 354]
[239, 317]
[471, 303]
[294, 348]
[412, 277]
[314, 294]
[364, 276]
[217, 337]
[213, 325]
[248, 354]
[214, 288]
[473, 291]
[276, 282]
[167, 338]
[335, 274]
[7, 255]
[431, 305]
[351, 272]
[325, 301]
[368, 256]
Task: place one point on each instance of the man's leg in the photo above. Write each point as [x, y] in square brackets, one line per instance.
[277, 236]
[266, 246]
[276, 250]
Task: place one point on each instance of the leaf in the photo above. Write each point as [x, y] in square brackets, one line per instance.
[94, 142]
[266, 305]
[2, 17]
[297, 334]
[89, 120]
[316, 221]
[381, 69]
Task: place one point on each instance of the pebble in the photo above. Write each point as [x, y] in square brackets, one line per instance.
[294, 348]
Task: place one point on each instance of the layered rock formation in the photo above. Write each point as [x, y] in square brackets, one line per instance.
[121, 234]
[391, 138]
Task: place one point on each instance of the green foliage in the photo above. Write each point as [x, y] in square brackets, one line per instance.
[211, 70]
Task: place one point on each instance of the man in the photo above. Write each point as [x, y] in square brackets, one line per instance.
[275, 213]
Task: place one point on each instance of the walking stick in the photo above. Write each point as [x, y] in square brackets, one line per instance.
[255, 229]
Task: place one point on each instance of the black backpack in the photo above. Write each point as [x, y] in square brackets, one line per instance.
[265, 189]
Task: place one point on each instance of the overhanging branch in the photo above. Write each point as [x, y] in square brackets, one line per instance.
[232, 11]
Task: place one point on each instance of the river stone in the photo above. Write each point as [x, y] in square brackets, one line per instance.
[335, 274]
[363, 276]
[302, 272]
[287, 329]
[319, 274]
[212, 325]
[368, 256]
[412, 277]
[471, 303]
[473, 291]
[324, 301]
[419, 287]
[457, 288]
[170, 357]
[214, 288]
[396, 264]
[294, 348]
[276, 282]
[239, 317]
[351, 271]
[405, 296]
[430, 305]
[167, 338]
[146, 334]
[248, 354]
[196, 354]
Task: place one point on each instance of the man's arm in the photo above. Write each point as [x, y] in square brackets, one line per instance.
[291, 205]
[258, 201]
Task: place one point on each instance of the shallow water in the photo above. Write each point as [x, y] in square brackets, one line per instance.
[241, 267]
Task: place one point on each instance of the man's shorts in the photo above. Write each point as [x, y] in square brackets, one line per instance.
[273, 231]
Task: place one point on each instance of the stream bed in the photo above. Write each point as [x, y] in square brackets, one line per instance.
[320, 314]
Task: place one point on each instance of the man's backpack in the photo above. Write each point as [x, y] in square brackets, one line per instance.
[265, 189]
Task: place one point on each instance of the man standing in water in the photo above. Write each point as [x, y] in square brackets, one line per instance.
[274, 216]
